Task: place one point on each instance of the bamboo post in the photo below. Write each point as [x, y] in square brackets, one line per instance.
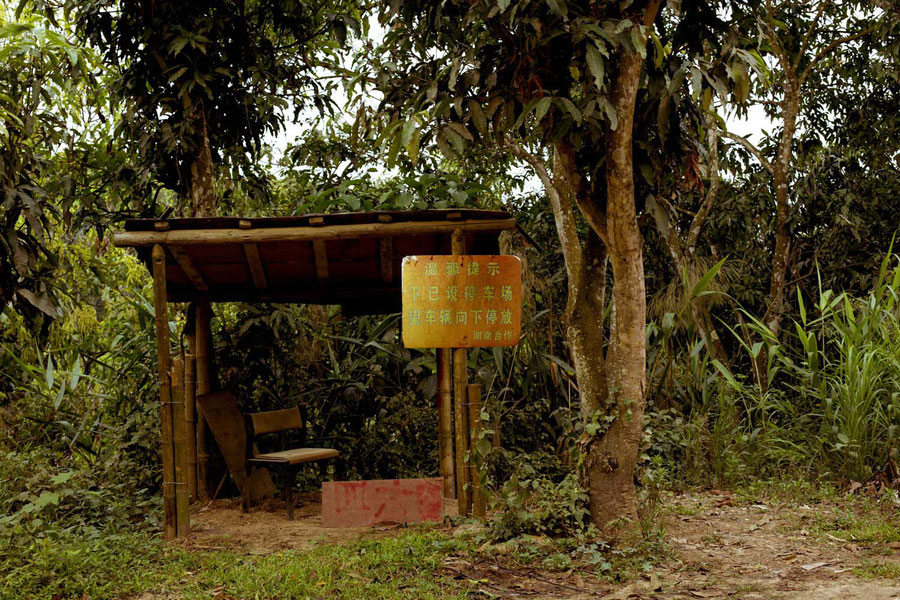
[445, 421]
[182, 499]
[190, 425]
[204, 386]
[460, 379]
[479, 509]
[165, 390]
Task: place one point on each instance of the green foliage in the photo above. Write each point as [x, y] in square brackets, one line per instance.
[49, 136]
[829, 404]
[205, 82]
[114, 564]
[530, 503]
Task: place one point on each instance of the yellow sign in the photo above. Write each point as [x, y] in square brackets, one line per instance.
[462, 301]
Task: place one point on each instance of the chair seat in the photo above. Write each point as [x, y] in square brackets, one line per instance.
[295, 456]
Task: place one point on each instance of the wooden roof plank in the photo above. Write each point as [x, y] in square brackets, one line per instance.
[190, 269]
[180, 237]
[257, 271]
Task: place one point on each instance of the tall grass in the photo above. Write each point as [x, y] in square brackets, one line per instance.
[829, 399]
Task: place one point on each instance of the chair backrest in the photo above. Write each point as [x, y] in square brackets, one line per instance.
[274, 421]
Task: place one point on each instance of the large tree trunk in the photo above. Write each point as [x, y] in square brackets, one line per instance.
[611, 458]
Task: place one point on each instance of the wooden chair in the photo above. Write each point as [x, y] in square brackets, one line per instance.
[289, 460]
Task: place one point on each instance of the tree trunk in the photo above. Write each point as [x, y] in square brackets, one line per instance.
[780, 174]
[611, 457]
[203, 196]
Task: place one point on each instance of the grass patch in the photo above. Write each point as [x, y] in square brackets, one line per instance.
[787, 491]
[872, 569]
[111, 566]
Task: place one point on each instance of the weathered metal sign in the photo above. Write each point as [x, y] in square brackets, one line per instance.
[465, 301]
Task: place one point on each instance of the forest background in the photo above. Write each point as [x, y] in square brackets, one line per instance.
[773, 324]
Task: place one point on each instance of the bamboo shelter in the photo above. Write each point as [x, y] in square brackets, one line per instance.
[352, 260]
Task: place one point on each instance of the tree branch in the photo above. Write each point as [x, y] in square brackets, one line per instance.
[561, 204]
[593, 214]
[834, 44]
[751, 148]
[712, 193]
[812, 28]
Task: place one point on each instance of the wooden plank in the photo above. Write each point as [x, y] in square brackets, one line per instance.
[190, 421]
[251, 251]
[182, 497]
[181, 237]
[367, 503]
[386, 257]
[461, 416]
[190, 269]
[320, 253]
[273, 421]
[445, 421]
[479, 507]
[202, 341]
[227, 425]
[161, 308]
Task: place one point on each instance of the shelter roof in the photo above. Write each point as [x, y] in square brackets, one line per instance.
[351, 259]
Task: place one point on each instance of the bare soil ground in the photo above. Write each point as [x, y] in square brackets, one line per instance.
[265, 528]
[718, 549]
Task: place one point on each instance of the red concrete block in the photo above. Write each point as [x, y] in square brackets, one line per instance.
[366, 503]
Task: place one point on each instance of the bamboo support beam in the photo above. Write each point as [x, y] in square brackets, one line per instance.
[190, 422]
[196, 237]
[461, 416]
[202, 341]
[190, 269]
[479, 508]
[320, 253]
[182, 499]
[165, 391]
[445, 421]
[257, 272]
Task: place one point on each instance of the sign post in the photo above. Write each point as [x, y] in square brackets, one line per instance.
[460, 301]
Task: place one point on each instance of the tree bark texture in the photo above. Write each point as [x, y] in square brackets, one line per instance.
[203, 195]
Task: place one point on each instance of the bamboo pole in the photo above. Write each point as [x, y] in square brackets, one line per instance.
[161, 309]
[193, 237]
[182, 499]
[190, 421]
[479, 509]
[460, 379]
[202, 340]
[445, 421]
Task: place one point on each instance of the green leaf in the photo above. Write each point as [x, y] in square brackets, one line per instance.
[558, 7]
[707, 278]
[572, 110]
[461, 130]
[62, 478]
[49, 373]
[178, 45]
[541, 108]
[478, 117]
[638, 41]
[595, 64]
[610, 111]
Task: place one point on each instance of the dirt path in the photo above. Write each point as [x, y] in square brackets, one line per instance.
[718, 547]
[718, 550]
[758, 551]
